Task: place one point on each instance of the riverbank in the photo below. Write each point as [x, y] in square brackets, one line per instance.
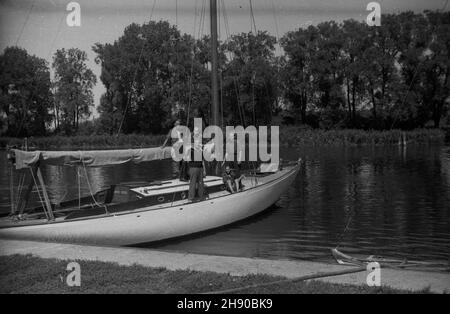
[29, 274]
[28, 266]
[59, 142]
[293, 136]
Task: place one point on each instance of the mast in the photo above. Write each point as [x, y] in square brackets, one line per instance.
[214, 63]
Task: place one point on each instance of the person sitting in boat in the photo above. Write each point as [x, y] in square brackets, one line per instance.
[231, 181]
[197, 171]
[235, 161]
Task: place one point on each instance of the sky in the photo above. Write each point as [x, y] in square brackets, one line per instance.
[40, 26]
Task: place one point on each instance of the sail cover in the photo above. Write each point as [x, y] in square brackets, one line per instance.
[93, 158]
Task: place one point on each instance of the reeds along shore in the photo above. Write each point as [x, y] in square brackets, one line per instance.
[289, 136]
[294, 136]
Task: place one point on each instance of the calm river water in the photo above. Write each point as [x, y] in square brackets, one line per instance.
[399, 199]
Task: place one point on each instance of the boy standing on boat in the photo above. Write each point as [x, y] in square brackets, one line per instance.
[197, 171]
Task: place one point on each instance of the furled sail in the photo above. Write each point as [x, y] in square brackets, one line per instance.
[93, 158]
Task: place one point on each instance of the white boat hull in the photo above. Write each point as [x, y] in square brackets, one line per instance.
[150, 224]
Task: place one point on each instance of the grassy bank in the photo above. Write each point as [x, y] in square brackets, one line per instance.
[289, 136]
[27, 274]
[294, 136]
[86, 142]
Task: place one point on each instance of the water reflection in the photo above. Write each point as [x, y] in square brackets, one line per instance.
[399, 200]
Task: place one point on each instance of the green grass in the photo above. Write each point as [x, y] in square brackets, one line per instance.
[87, 142]
[28, 274]
[289, 136]
[297, 136]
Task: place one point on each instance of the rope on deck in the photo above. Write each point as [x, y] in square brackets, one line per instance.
[297, 279]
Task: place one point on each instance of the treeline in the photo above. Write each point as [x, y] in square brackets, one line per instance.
[32, 105]
[353, 75]
[154, 74]
[333, 75]
[290, 136]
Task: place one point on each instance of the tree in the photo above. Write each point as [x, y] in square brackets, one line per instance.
[250, 78]
[435, 78]
[355, 66]
[381, 74]
[73, 84]
[399, 70]
[424, 67]
[297, 75]
[314, 74]
[25, 96]
[152, 74]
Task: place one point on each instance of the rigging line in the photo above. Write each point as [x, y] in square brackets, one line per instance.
[90, 188]
[22, 118]
[236, 88]
[226, 25]
[204, 19]
[241, 109]
[254, 74]
[198, 15]
[205, 14]
[79, 187]
[274, 13]
[221, 100]
[177, 67]
[39, 194]
[61, 198]
[50, 61]
[192, 66]
[134, 77]
[25, 23]
[221, 70]
[416, 71]
[20, 188]
[173, 198]
[253, 100]
[275, 19]
[225, 19]
[347, 226]
[57, 34]
[201, 21]
[252, 16]
[11, 187]
[230, 56]
[22, 121]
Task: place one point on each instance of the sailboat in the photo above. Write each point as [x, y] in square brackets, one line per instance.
[133, 213]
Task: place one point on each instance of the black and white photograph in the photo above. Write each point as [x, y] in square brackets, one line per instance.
[224, 153]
